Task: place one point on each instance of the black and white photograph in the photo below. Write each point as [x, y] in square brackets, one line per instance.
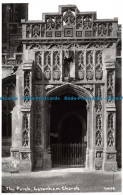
[61, 96]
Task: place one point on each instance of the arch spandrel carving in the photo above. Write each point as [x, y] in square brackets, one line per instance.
[74, 89]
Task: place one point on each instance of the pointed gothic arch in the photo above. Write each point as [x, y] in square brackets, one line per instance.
[81, 92]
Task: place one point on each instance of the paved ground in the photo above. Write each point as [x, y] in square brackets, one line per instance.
[62, 180]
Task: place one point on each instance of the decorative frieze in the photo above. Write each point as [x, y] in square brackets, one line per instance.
[76, 22]
[74, 46]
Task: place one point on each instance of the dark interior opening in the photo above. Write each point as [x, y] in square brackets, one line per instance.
[71, 131]
[65, 120]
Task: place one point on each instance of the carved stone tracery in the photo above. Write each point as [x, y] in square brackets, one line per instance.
[25, 156]
[102, 29]
[87, 62]
[99, 115]
[28, 31]
[81, 65]
[110, 85]
[25, 131]
[98, 94]
[47, 65]
[76, 23]
[87, 22]
[69, 18]
[110, 133]
[99, 65]
[56, 65]
[26, 85]
[38, 65]
[89, 65]
[36, 30]
[50, 23]
[98, 130]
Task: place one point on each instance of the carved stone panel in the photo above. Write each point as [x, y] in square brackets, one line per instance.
[25, 130]
[80, 66]
[98, 67]
[56, 65]
[38, 65]
[69, 22]
[26, 85]
[98, 130]
[89, 66]
[47, 65]
[98, 94]
[110, 85]
[110, 132]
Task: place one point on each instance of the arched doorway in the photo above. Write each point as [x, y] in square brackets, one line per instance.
[83, 112]
[68, 131]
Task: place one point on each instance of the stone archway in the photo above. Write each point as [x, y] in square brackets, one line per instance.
[81, 92]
